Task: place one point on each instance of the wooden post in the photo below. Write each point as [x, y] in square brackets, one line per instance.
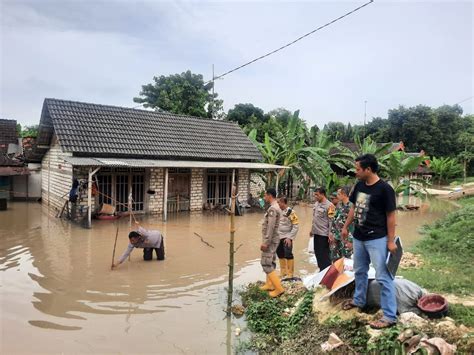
[277, 181]
[89, 200]
[165, 197]
[230, 288]
[130, 209]
[89, 197]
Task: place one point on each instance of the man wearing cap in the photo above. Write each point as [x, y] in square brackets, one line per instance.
[287, 230]
[270, 241]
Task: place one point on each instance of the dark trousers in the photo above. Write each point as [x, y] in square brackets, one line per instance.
[284, 252]
[148, 253]
[321, 250]
[160, 252]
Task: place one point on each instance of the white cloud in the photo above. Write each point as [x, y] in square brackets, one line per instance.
[388, 54]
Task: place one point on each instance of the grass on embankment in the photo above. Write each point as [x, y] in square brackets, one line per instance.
[447, 249]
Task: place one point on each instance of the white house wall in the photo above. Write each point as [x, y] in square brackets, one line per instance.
[56, 177]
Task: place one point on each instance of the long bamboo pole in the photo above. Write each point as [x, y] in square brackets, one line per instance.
[115, 244]
[230, 288]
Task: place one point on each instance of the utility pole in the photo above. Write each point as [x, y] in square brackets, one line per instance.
[365, 117]
[213, 83]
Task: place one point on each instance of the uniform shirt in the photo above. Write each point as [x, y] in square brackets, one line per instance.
[288, 224]
[323, 213]
[151, 239]
[371, 205]
[270, 224]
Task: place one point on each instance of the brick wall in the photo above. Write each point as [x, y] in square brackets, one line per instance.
[243, 184]
[256, 185]
[155, 204]
[197, 185]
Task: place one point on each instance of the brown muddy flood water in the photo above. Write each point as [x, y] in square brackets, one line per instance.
[58, 294]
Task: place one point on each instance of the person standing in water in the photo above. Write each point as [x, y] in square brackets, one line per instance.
[270, 241]
[287, 230]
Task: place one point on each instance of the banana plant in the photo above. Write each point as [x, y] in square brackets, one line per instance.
[398, 168]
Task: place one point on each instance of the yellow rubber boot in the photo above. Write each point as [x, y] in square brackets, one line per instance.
[268, 285]
[290, 267]
[275, 280]
[283, 268]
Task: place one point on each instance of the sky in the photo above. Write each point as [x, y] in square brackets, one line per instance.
[390, 53]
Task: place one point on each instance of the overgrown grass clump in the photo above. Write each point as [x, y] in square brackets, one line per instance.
[447, 249]
[279, 318]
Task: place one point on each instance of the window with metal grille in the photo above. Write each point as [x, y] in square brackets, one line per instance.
[219, 186]
[105, 189]
[121, 192]
[116, 184]
[138, 187]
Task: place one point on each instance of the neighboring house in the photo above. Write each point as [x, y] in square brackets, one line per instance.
[423, 171]
[182, 162]
[18, 179]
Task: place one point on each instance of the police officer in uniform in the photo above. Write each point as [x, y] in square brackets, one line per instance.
[287, 230]
[270, 241]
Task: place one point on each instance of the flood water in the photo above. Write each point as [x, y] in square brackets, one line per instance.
[58, 294]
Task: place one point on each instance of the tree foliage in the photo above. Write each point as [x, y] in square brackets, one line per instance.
[184, 93]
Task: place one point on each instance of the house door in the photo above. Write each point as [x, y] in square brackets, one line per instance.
[179, 187]
[116, 185]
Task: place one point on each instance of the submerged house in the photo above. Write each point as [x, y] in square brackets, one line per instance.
[19, 179]
[167, 162]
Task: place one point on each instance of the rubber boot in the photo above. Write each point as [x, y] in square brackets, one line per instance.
[283, 268]
[275, 280]
[268, 285]
[290, 268]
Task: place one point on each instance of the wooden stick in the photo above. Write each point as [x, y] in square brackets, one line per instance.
[230, 288]
[115, 244]
[202, 240]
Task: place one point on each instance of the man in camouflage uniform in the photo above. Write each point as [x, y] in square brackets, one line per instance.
[287, 230]
[270, 241]
[341, 247]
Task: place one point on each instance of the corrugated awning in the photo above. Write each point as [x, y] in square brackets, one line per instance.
[148, 163]
[13, 170]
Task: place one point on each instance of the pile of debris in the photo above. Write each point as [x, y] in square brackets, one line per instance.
[410, 260]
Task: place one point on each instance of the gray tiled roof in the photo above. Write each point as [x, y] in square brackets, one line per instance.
[98, 130]
[8, 134]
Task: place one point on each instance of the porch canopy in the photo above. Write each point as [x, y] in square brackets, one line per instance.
[97, 163]
[149, 163]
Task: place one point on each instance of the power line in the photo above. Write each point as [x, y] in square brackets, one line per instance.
[460, 102]
[291, 43]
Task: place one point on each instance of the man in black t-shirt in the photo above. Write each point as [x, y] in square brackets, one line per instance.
[373, 214]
